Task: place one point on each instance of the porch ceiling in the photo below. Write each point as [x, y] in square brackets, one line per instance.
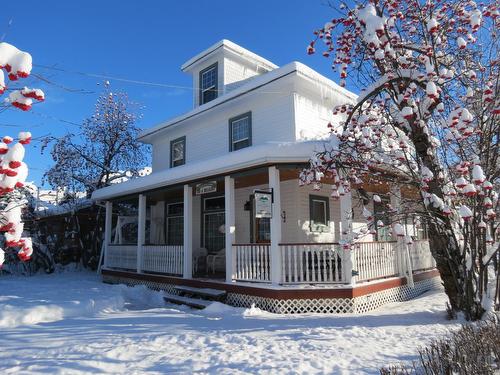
[267, 154]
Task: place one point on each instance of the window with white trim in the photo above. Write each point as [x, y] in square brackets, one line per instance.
[208, 84]
[178, 152]
[240, 132]
[319, 212]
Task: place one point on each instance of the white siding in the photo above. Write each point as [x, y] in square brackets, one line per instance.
[295, 203]
[237, 73]
[207, 136]
[312, 118]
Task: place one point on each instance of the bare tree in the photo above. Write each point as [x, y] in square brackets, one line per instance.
[106, 150]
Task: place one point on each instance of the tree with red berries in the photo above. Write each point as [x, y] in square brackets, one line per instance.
[429, 120]
[13, 171]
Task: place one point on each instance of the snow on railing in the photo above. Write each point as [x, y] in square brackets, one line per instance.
[374, 260]
[312, 263]
[251, 262]
[420, 255]
[121, 256]
[162, 259]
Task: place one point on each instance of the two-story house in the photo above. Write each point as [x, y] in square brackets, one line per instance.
[223, 208]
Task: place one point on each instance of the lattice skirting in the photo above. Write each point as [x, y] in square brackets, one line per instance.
[360, 304]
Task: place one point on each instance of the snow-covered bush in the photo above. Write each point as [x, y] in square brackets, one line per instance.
[474, 349]
[427, 120]
[13, 171]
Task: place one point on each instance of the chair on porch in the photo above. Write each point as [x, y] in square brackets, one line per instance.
[216, 260]
[199, 254]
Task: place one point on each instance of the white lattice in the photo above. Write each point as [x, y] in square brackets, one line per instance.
[296, 306]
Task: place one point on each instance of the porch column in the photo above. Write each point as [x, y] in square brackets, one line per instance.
[395, 200]
[229, 226]
[141, 230]
[188, 233]
[108, 223]
[274, 249]
[348, 255]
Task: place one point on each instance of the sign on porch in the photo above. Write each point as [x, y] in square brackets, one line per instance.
[263, 204]
[206, 187]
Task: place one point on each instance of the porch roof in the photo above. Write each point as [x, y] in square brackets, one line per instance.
[268, 153]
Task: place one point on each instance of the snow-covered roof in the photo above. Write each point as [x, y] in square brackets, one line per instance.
[227, 44]
[253, 84]
[270, 152]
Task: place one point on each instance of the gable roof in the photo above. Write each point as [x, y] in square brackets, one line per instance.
[227, 44]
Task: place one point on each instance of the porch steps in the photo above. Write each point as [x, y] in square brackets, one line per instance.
[195, 303]
[204, 293]
[197, 298]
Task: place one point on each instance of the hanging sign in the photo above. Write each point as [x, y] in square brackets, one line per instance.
[206, 187]
[263, 204]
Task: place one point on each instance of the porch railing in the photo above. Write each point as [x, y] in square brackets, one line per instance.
[251, 262]
[312, 263]
[375, 260]
[163, 259]
[121, 256]
[420, 255]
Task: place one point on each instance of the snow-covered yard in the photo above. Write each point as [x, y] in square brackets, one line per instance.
[72, 323]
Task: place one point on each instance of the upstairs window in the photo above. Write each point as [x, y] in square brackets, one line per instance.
[177, 152]
[319, 211]
[240, 132]
[208, 84]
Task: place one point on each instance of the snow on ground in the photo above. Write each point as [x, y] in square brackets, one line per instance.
[71, 323]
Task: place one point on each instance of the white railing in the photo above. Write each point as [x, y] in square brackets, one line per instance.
[121, 256]
[163, 259]
[312, 263]
[251, 262]
[420, 255]
[375, 260]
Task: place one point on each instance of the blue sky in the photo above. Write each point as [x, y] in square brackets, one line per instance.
[145, 41]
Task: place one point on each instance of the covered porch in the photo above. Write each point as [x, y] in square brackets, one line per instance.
[185, 230]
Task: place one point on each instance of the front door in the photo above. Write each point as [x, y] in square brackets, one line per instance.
[214, 234]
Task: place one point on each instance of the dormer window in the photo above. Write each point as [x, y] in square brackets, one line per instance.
[208, 84]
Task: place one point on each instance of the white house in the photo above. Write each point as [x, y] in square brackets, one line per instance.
[223, 208]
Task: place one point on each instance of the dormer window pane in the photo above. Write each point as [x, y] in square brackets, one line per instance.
[208, 84]
[240, 132]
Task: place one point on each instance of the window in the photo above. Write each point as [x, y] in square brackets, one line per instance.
[384, 232]
[240, 132]
[175, 223]
[177, 152]
[319, 210]
[214, 204]
[208, 84]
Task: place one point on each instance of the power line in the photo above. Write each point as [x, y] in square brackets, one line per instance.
[138, 82]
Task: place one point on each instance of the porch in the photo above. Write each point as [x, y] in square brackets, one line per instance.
[290, 237]
[299, 263]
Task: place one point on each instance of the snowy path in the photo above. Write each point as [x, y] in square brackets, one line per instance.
[70, 323]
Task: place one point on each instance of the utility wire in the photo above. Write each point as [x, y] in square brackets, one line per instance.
[139, 82]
